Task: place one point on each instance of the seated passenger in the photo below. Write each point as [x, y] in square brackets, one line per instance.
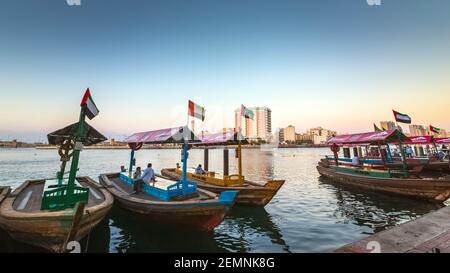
[149, 174]
[199, 170]
[355, 160]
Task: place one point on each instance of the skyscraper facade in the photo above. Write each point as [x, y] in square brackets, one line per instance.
[260, 127]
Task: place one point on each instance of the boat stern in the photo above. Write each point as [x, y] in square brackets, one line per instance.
[228, 198]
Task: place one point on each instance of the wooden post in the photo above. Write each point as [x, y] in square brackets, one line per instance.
[239, 150]
[225, 162]
[206, 159]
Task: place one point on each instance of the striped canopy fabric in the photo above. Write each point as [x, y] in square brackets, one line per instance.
[169, 135]
[388, 136]
[227, 138]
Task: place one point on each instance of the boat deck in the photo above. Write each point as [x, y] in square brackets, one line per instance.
[29, 200]
[429, 233]
[160, 183]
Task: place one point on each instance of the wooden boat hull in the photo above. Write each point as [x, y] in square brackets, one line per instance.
[436, 191]
[202, 215]
[50, 229]
[253, 194]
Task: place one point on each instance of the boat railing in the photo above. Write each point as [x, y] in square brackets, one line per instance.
[349, 160]
[59, 198]
[173, 190]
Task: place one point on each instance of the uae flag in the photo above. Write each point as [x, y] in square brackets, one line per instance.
[247, 113]
[196, 111]
[88, 105]
[435, 129]
[399, 117]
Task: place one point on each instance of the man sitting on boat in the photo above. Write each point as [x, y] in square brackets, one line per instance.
[199, 170]
[355, 160]
[138, 182]
[149, 174]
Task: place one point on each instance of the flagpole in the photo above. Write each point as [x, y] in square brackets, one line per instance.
[185, 155]
[76, 156]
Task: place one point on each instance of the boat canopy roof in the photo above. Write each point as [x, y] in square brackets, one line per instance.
[169, 135]
[59, 136]
[418, 140]
[227, 138]
[442, 140]
[388, 136]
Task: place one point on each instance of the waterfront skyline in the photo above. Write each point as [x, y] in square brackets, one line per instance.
[339, 64]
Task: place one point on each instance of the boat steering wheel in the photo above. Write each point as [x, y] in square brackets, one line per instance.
[66, 149]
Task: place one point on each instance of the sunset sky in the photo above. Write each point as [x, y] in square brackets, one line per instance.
[339, 64]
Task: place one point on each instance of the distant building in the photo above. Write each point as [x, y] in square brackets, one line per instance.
[287, 134]
[387, 125]
[304, 138]
[260, 127]
[321, 135]
[417, 130]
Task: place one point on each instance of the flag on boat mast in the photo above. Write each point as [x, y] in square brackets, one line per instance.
[435, 129]
[88, 105]
[196, 110]
[403, 118]
[376, 129]
[247, 113]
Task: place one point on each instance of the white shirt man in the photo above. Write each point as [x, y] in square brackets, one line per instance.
[355, 160]
[149, 174]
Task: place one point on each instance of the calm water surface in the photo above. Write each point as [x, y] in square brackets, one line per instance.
[309, 214]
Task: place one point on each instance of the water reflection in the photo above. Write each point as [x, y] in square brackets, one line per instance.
[242, 229]
[130, 232]
[375, 210]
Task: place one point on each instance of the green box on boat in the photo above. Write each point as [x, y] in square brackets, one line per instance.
[58, 198]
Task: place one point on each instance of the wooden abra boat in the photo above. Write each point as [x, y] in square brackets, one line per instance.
[21, 215]
[202, 210]
[174, 203]
[433, 187]
[250, 193]
[51, 213]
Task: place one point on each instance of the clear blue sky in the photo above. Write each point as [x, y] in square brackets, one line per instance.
[339, 64]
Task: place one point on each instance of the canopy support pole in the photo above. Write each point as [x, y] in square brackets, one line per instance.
[184, 177]
[76, 156]
[130, 169]
[225, 162]
[239, 155]
[388, 153]
[206, 158]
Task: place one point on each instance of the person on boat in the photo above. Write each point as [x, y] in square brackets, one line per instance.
[409, 151]
[149, 174]
[355, 160]
[138, 184]
[178, 166]
[199, 169]
[137, 174]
